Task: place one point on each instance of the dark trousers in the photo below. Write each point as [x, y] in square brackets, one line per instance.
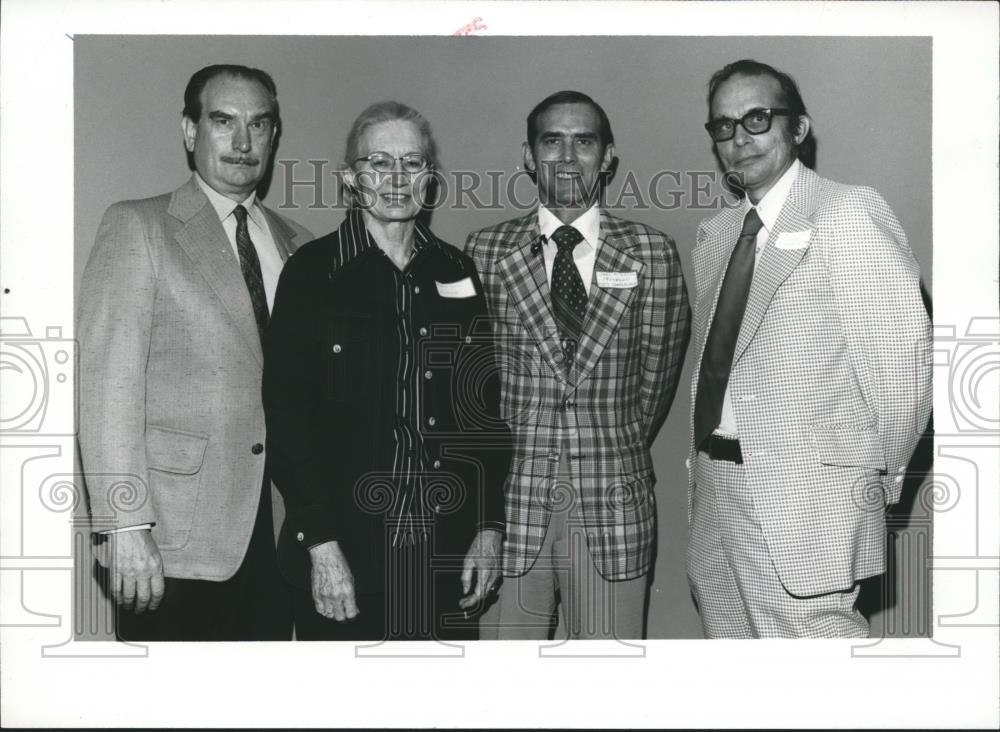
[253, 604]
[419, 602]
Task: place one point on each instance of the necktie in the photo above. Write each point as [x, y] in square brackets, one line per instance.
[718, 357]
[569, 297]
[250, 265]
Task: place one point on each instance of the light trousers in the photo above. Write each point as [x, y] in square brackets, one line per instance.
[733, 579]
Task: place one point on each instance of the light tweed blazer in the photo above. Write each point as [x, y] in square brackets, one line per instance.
[607, 405]
[170, 379]
[831, 378]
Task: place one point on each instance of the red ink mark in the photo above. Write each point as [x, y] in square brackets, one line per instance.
[469, 29]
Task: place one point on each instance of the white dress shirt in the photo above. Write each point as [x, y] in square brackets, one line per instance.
[585, 254]
[270, 261]
[768, 209]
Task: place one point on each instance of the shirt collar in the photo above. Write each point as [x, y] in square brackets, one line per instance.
[355, 235]
[770, 205]
[588, 224]
[224, 206]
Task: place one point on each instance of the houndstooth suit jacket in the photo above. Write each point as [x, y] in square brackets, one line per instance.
[606, 405]
[831, 377]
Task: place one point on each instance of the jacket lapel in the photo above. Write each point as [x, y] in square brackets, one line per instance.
[523, 274]
[775, 265]
[606, 306]
[204, 240]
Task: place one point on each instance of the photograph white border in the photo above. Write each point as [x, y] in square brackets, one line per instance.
[950, 681]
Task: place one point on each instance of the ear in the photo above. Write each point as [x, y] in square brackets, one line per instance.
[189, 128]
[529, 157]
[609, 156]
[801, 130]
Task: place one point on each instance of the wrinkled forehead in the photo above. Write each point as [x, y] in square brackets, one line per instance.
[740, 93]
[232, 93]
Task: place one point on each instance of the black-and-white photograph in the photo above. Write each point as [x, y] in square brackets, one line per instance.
[451, 343]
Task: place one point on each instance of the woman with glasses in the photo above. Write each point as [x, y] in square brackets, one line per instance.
[382, 404]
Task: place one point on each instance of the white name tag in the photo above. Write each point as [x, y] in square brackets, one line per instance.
[462, 288]
[793, 239]
[617, 280]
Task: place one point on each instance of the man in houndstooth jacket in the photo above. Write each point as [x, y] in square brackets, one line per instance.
[811, 386]
[592, 321]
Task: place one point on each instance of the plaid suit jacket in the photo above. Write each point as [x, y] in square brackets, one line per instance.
[606, 405]
[831, 378]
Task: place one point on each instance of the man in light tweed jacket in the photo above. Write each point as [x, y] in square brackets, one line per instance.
[173, 305]
[812, 379]
[591, 319]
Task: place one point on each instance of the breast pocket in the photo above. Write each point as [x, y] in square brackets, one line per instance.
[351, 357]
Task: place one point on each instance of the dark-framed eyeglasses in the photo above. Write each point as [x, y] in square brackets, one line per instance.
[383, 162]
[756, 122]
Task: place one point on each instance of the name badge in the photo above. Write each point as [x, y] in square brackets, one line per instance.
[793, 239]
[617, 280]
[462, 288]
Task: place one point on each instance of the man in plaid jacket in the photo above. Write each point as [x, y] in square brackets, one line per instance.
[592, 320]
[812, 380]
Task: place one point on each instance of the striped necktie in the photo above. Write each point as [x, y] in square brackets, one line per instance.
[250, 264]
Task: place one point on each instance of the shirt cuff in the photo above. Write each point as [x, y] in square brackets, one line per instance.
[494, 525]
[123, 529]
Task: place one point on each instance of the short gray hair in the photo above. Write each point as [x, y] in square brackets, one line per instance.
[390, 112]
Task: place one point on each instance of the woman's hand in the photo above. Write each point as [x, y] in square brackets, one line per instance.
[332, 583]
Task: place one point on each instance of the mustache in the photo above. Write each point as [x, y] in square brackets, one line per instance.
[241, 159]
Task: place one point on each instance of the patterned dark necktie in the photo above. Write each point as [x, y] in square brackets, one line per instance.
[569, 296]
[250, 265]
[721, 344]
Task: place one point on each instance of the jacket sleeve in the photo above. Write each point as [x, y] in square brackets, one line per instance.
[114, 323]
[876, 287]
[498, 449]
[292, 390]
[666, 328]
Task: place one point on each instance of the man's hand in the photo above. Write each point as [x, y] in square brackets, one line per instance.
[332, 583]
[483, 557]
[136, 569]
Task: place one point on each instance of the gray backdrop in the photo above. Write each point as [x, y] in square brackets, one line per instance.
[870, 100]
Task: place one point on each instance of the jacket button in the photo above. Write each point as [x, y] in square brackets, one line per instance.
[300, 536]
[416, 289]
[431, 421]
[257, 448]
[437, 464]
[337, 348]
[423, 331]
[428, 374]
